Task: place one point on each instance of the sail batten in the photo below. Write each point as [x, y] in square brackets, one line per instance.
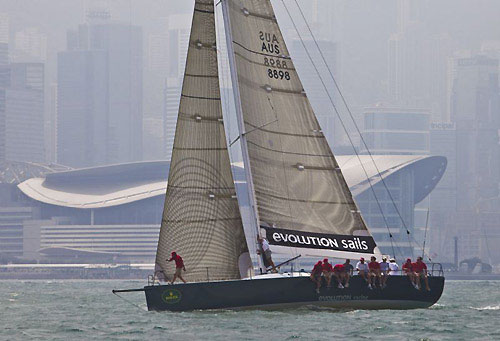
[298, 185]
[201, 219]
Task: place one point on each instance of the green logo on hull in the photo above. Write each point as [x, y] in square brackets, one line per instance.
[171, 296]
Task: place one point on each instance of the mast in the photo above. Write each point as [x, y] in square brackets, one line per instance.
[241, 124]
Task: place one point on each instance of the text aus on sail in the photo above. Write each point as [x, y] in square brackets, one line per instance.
[276, 66]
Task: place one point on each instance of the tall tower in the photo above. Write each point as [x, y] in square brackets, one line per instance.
[100, 94]
[475, 110]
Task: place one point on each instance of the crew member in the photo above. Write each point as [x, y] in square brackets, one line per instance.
[394, 267]
[316, 275]
[384, 271]
[338, 272]
[374, 267]
[348, 270]
[420, 270]
[179, 266]
[362, 269]
[327, 272]
[268, 259]
[408, 271]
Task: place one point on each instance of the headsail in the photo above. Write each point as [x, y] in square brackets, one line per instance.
[201, 220]
[303, 202]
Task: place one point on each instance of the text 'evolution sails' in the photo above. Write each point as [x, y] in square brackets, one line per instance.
[364, 244]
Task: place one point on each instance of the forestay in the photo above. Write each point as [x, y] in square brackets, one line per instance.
[303, 202]
[201, 219]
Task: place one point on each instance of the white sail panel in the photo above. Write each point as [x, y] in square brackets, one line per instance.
[299, 187]
[201, 220]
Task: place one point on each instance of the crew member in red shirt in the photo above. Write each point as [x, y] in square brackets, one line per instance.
[408, 270]
[179, 266]
[338, 272]
[316, 275]
[420, 270]
[327, 272]
[374, 267]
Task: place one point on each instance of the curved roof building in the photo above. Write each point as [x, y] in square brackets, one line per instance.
[115, 185]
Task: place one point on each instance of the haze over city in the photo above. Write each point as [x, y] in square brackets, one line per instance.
[249, 169]
[97, 83]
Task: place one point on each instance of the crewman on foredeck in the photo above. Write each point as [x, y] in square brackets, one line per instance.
[268, 259]
[179, 266]
[420, 270]
[316, 275]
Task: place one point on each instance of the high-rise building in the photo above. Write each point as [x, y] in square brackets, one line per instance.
[418, 63]
[30, 44]
[178, 41]
[443, 199]
[393, 130]
[24, 110]
[51, 124]
[475, 110]
[100, 94]
[4, 76]
[172, 99]
[4, 28]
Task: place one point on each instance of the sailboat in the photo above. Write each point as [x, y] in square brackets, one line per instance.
[298, 197]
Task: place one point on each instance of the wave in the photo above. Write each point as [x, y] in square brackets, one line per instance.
[488, 307]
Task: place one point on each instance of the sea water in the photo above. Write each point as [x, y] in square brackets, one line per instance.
[87, 310]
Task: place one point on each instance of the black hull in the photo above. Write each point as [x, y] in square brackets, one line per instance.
[279, 293]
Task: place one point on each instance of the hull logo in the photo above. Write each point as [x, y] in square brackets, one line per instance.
[171, 296]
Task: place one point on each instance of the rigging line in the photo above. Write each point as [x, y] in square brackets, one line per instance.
[130, 302]
[345, 129]
[355, 124]
[426, 226]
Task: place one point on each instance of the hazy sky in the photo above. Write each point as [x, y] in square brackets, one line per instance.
[362, 26]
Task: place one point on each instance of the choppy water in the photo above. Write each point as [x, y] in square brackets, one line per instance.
[70, 310]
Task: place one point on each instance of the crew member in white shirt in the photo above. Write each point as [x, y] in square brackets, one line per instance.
[393, 267]
[384, 271]
[362, 269]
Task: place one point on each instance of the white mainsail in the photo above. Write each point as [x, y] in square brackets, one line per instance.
[303, 203]
[201, 220]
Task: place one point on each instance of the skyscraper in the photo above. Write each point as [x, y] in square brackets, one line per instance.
[24, 109]
[178, 40]
[172, 95]
[443, 199]
[100, 94]
[4, 28]
[395, 130]
[418, 62]
[475, 110]
[4, 77]
[30, 44]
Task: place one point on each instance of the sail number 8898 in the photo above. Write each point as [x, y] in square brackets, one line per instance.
[278, 74]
